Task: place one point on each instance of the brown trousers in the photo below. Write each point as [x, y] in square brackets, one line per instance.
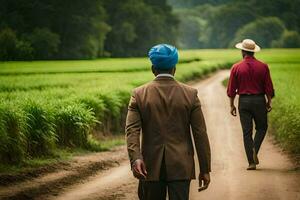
[157, 190]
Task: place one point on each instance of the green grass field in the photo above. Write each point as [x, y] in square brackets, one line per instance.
[48, 105]
[285, 117]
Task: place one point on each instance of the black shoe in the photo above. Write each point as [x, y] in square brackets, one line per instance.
[251, 167]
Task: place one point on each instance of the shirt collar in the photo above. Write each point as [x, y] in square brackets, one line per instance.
[165, 75]
[249, 57]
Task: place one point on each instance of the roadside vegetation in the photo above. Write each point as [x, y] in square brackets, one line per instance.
[47, 106]
[285, 117]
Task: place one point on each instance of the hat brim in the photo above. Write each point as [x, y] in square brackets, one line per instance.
[240, 46]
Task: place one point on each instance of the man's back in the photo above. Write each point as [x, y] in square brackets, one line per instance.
[165, 107]
[250, 76]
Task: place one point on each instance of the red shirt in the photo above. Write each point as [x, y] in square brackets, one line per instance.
[250, 76]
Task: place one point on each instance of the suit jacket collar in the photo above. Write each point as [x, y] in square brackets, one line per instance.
[164, 77]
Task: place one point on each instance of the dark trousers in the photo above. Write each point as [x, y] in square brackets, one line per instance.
[253, 108]
[157, 190]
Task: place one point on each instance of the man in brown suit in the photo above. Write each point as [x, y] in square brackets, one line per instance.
[163, 112]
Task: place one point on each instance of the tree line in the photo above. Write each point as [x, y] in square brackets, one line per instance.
[222, 23]
[75, 29]
[54, 29]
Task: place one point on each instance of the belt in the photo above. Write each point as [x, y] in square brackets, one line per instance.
[251, 95]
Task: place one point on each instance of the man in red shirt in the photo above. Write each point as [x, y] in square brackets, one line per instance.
[251, 80]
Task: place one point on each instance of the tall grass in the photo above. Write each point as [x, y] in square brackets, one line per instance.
[39, 129]
[12, 140]
[285, 116]
[74, 123]
[112, 112]
[96, 105]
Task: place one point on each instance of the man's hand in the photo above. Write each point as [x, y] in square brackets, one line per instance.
[233, 110]
[204, 180]
[269, 106]
[139, 169]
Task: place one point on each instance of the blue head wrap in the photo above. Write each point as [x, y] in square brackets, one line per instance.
[163, 56]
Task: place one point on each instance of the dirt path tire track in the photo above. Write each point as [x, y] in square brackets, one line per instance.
[30, 174]
[116, 183]
[69, 173]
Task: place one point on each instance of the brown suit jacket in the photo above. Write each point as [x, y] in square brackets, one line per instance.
[164, 112]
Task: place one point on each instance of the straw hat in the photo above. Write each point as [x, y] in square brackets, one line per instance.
[248, 45]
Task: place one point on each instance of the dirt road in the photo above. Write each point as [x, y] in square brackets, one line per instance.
[275, 178]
